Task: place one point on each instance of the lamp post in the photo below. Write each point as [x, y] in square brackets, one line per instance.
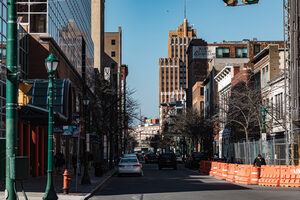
[264, 132]
[11, 98]
[85, 178]
[51, 64]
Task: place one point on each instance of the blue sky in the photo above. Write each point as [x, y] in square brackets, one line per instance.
[146, 24]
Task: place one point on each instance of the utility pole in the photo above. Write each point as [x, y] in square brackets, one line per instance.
[11, 98]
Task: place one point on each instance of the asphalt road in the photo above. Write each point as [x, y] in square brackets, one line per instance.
[184, 184]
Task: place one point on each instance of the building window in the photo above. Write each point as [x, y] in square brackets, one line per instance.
[241, 52]
[38, 23]
[172, 51]
[113, 42]
[201, 106]
[202, 91]
[223, 53]
[113, 54]
[267, 73]
[279, 106]
[256, 49]
[263, 77]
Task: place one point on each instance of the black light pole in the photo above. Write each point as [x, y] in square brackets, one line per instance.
[85, 178]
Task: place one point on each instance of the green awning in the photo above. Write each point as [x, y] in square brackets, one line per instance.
[62, 101]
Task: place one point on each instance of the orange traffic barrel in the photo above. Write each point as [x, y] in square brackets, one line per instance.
[255, 173]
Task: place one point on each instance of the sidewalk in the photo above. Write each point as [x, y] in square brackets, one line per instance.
[35, 187]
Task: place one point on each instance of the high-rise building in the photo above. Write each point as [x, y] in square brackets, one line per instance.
[67, 22]
[173, 70]
[98, 33]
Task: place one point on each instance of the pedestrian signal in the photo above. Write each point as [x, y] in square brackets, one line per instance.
[250, 1]
[230, 2]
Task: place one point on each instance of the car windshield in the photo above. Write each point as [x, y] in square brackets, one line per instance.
[129, 155]
[166, 155]
[128, 160]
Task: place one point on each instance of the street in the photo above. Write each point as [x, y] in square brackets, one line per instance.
[169, 184]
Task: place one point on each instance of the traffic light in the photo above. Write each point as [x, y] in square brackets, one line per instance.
[250, 1]
[231, 2]
[24, 98]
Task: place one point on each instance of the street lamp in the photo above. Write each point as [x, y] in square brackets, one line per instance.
[264, 132]
[85, 178]
[51, 64]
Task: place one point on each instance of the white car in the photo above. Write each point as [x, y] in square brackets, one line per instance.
[130, 165]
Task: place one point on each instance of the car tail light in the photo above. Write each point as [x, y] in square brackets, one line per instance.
[192, 159]
[136, 165]
[121, 165]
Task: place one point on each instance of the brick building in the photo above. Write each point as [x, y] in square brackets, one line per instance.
[173, 78]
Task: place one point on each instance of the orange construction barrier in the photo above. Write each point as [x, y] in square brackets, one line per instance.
[232, 169]
[270, 175]
[244, 174]
[219, 170]
[255, 174]
[290, 176]
[224, 170]
[213, 169]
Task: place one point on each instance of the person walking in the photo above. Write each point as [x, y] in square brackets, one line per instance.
[259, 161]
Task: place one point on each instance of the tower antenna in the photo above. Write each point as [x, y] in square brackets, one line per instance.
[184, 9]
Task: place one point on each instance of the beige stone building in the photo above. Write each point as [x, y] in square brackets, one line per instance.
[97, 27]
[113, 57]
[173, 70]
[269, 71]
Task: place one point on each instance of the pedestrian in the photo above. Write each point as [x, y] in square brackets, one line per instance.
[259, 161]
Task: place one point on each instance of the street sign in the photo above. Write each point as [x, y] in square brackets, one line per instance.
[67, 131]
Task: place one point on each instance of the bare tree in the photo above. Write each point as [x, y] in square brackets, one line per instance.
[192, 125]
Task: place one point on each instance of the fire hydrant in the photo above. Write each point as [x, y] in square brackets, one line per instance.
[67, 179]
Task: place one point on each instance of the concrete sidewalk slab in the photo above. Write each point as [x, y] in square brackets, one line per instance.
[35, 187]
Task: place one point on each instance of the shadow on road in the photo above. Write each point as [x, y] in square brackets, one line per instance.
[165, 181]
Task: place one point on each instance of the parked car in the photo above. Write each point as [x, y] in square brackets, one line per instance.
[167, 160]
[130, 165]
[193, 160]
[130, 155]
[150, 158]
[179, 158]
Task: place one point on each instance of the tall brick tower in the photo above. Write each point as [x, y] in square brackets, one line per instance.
[173, 70]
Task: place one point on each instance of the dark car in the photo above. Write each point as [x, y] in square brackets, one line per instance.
[193, 160]
[167, 160]
[150, 158]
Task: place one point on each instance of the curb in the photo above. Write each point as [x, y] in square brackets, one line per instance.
[92, 193]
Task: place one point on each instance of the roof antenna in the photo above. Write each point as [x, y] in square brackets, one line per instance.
[184, 9]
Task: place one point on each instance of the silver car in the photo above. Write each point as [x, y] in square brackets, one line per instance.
[130, 165]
